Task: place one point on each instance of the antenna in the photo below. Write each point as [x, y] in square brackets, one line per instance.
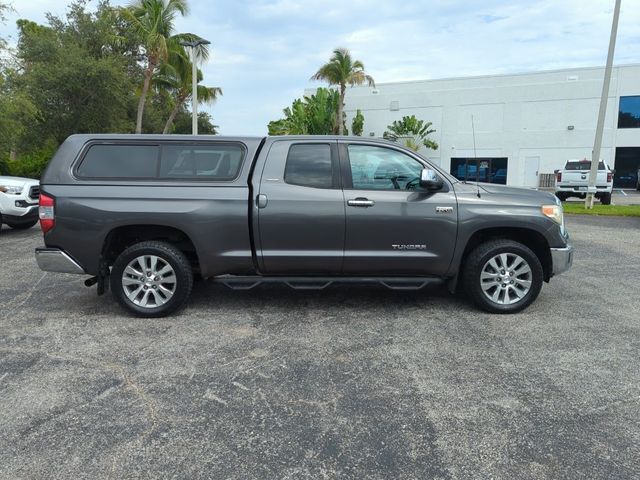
[475, 156]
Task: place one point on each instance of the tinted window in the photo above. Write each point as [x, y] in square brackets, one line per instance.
[120, 161]
[629, 114]
[483, 169]
[377, 168]
[309, 165]
[206, 162]
[582, 165]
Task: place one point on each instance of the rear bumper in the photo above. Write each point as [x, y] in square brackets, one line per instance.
[562, 259]
[582, 189]
[56, 260]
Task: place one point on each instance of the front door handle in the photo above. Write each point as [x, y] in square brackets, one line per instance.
[361, 202]
[261, 201]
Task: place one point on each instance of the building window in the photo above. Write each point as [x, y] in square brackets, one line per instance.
[489, 170]
[629, 113]
[627, 169]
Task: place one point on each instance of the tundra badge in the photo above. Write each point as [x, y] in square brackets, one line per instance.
[409, 247]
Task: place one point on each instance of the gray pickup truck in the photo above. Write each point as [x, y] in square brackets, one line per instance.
[142, 214]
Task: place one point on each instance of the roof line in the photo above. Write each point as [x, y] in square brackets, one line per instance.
[494, 75]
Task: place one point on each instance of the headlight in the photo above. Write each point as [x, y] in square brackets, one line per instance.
[554, 212]
[11, 189]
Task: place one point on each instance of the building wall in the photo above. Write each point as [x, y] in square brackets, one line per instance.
[515, 116]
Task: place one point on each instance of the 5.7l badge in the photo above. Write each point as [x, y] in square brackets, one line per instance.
[444, 209]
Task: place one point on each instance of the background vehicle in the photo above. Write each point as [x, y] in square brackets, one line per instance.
[146, 212]
[19, 202]
[573, 181]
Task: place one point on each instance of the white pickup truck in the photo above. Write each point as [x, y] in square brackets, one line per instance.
[573, 181]
[19, 202]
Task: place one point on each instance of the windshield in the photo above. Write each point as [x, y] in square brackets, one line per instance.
[582, 165]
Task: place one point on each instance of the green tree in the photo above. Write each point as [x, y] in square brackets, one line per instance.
[311, 115]
[153, 22]
[73, 90]
[342, 70]
[411, 132]
[177, 81]
[357, 124]
[182, 123]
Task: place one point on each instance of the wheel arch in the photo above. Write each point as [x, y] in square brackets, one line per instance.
[120, 238]
[531, 238]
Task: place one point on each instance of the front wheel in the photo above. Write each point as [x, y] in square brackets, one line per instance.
[152, 279]
[502, 276]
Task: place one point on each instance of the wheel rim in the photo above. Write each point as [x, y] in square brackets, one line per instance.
[149, 281]
[506, 278]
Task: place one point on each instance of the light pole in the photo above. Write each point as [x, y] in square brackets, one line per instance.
[597, 144]
[194, 81]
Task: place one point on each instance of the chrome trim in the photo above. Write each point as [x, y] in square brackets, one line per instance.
[562, 259]
[55, 260]
[360, 202]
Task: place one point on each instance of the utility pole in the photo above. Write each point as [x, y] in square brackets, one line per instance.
[597, 145]
[194, 81]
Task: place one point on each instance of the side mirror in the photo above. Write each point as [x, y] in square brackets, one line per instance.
[429, 180]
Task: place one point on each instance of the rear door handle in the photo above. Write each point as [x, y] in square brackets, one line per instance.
[261, 201]
[361, 202]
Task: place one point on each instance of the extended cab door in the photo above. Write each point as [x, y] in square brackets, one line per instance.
[300, 207]
[393, 226]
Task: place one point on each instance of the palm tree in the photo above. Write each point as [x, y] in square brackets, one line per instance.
[177, 80]
[342, 70]
[412, 132]
[153, 22]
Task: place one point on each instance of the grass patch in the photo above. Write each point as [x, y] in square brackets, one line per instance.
[608, 210]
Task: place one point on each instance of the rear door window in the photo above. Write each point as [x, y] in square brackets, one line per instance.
[120, 161]
[310, 165]
[201, 162]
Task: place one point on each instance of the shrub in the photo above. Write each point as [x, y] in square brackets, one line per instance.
[32, 164]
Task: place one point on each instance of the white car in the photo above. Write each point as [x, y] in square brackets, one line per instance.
[573, 181]
[19, 202]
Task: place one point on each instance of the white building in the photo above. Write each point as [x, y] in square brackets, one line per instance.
[525, 124]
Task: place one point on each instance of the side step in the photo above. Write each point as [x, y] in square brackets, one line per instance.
[320, 283]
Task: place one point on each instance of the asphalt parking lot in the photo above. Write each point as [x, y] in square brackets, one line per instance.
[344, 383]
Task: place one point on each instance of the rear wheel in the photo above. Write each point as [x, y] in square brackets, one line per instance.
[605, 199]
[152, 279]
[561, 196]
[502, 276]
[22, 226]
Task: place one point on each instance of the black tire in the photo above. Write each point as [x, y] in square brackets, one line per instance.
[605, 199]
[22, 226]
[483, 253]
[167, 253]
[561, 196]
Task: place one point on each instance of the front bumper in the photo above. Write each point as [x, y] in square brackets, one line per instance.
[56, 260]
[562, 259]
[26, 215]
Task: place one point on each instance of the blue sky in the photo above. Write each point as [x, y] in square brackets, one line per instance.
[265, 51]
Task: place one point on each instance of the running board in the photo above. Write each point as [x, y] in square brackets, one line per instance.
[320, 283]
